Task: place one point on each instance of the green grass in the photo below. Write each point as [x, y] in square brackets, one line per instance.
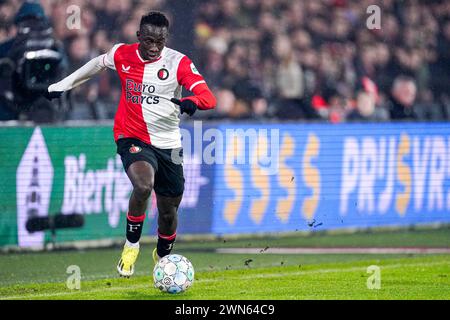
[231, 276]
[393, 238]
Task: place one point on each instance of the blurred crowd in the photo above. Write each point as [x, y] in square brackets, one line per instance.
[103, 23]
[279, 59]
[319, 60]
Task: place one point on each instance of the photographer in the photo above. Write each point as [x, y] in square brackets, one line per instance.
[29, 62]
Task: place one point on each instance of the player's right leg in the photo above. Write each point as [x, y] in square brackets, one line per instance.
[137, 159]
[141, 175]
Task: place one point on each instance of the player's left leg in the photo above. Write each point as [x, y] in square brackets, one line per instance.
[167, 224]
[169, 188]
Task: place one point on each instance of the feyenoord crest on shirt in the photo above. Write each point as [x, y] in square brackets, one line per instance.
[163, 74]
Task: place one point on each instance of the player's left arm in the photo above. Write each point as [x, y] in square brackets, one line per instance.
[193, 81]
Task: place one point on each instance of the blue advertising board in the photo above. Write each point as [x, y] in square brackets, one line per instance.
[239, 178]
[331, 176]
[195, 211]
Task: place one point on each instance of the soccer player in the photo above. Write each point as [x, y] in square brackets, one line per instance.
[146, 126]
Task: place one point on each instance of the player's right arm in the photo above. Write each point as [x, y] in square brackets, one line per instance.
[83, 74]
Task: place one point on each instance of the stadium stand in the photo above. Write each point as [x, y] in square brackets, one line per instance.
[286, 60]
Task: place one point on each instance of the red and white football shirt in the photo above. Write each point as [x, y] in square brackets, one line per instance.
[141, 113]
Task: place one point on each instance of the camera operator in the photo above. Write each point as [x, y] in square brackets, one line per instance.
[29, 62]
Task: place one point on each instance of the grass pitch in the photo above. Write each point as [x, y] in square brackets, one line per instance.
[245, 276]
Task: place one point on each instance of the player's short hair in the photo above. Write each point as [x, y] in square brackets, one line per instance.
[155, 18]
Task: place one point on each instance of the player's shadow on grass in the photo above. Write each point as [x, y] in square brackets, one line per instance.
[155, 294]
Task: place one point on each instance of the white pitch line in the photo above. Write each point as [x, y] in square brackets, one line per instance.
[247, 277]
[333, 250]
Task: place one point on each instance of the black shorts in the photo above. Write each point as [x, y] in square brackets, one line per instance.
[169, 178]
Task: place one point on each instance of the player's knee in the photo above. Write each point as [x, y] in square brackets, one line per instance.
[142, 191]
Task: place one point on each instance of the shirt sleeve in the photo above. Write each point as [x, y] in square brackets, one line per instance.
[108, 58]
[203, 97]
[79, 76]
[86, 72]
[188, 75]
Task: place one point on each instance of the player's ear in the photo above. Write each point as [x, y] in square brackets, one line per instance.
[166, 32]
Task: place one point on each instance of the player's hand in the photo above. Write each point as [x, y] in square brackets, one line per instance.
[188, 106]
[52, 95]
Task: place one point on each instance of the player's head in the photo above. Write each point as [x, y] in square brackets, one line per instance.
[152, 34]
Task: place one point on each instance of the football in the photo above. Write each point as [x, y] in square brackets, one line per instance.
[173, 273]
